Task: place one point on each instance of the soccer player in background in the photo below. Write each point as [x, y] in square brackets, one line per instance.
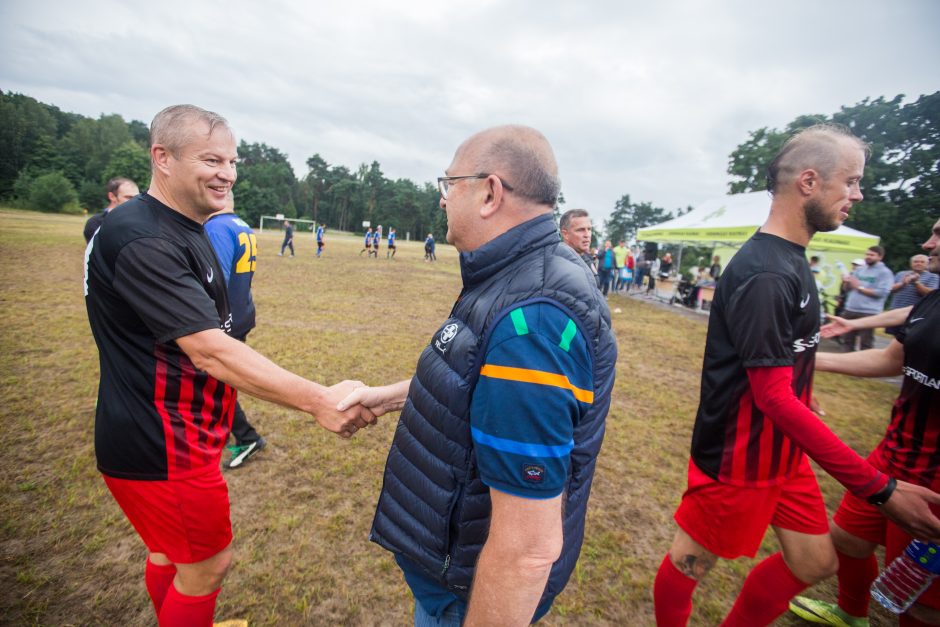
[391, 243]
[748, 470]
[236, 247]
[367, 242]
[320, 242]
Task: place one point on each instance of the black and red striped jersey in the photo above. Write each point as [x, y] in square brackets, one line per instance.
[765, 314]
[151, 277]
[911, 446]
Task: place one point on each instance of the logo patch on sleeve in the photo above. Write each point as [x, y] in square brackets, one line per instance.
[533, 473]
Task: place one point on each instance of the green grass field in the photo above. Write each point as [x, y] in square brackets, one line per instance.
[302, 509]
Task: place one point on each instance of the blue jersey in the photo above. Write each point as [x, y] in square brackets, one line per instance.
[377, 238]
[236, 247]
[368, 241]
[319, 233]
[391, 238]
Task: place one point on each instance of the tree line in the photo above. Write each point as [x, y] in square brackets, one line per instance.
[901, 184]
[52, 160]
[58, 161]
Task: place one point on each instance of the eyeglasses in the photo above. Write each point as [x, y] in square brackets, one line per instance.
[444, 182]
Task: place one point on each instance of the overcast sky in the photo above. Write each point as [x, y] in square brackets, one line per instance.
[644, 98]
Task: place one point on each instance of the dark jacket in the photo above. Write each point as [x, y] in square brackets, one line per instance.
[433, 508]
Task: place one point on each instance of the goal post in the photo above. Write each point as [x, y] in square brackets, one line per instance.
[280, 218]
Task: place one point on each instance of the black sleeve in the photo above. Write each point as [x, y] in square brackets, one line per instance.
[917, 311]
[154, 277]
[758, 318]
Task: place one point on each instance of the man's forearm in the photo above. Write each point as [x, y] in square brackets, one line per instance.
[889, 318]
[875, 362]
[525, 539]
[240, 366]
[506, 591]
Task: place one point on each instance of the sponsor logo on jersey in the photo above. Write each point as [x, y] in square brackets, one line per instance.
[533, 473]
[922, 378]
[447, 334]
[913, 320]
[804, 302]
[210, 275]
[227, 325]
[802, 344]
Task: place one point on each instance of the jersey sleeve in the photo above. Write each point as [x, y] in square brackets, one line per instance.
[223, 245]
[758, 318]
[535, 383]
[155, 279]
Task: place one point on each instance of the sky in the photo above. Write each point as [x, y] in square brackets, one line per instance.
[647, 99]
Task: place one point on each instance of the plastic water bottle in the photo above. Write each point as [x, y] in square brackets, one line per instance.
[907, 576]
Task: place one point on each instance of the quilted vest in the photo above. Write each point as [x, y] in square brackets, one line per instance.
[433, 508]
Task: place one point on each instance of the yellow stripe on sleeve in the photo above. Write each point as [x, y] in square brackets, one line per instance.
[539, 377]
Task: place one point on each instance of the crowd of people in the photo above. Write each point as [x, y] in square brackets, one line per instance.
[483, 511]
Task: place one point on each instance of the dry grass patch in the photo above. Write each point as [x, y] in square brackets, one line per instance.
[302, 510]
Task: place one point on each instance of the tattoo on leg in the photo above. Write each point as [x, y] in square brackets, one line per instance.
[695, 566]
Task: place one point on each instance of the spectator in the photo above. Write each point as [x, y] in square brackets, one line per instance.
[120, 190]
[867, 289]
[910, 286]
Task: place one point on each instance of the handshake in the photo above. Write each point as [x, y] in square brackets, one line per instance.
[349, 406]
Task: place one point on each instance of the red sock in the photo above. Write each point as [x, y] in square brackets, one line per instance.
[765, 595]
[180, 610]
[856, 575]
[672, 595]
[158, 580]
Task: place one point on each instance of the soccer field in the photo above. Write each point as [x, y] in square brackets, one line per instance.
[302, 509]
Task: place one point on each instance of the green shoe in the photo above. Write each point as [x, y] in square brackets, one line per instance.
[825, 613]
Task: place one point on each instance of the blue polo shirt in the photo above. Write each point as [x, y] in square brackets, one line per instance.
[535, 383]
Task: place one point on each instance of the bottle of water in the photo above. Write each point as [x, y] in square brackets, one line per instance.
[907, 576]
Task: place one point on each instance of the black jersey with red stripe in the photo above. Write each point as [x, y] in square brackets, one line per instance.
[765, 314]
[151, 277]
[911, 446]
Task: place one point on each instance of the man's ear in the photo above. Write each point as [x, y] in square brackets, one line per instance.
[495, 196]
[160, 157]
[808, 181]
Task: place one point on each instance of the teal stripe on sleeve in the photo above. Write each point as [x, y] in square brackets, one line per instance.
[518, 321]
[571, 330]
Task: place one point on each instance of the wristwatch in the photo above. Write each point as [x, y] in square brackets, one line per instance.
[881, 496]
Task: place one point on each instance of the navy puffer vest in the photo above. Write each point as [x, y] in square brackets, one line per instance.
[433, 508]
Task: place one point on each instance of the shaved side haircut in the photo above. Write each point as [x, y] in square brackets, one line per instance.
[814, 148]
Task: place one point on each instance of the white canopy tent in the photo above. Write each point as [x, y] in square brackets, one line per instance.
[726, 223]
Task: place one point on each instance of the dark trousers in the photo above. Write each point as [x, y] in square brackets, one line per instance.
[867, 336]
[242, 430]
[605, 275]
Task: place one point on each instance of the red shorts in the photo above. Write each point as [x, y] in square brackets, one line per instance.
[185, 519]
[866, 521]
[731, 520]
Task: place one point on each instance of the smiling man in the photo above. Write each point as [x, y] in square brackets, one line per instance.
[748, 469]
[159, 311]
[487, 481]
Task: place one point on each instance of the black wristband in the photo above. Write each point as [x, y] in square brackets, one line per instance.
[881, 497]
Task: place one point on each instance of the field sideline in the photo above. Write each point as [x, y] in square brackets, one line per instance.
[302, 509]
